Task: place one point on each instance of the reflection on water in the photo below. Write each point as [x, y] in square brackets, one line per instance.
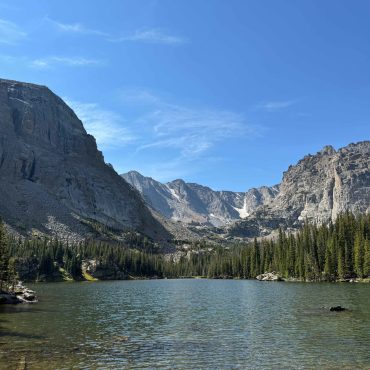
[189, 324]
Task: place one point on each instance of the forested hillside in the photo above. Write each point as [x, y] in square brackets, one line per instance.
[314, 253]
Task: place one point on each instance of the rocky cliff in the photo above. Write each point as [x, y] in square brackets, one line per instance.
[317, 188]
[197, 204]
[321, 186]
[52, 177]
[53, 180]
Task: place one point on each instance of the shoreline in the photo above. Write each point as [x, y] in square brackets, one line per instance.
[91, 279]
[18, 294]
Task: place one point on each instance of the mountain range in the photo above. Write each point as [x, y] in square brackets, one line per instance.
[54, 181]
[317, 188]
[196, 204]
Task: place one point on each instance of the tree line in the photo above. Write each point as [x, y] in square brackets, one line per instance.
[340, 250]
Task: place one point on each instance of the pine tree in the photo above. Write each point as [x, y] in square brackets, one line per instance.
[359, 254]
[4, 257]
[328, 269]
[366, 269]
[12, 273]
[340, 271]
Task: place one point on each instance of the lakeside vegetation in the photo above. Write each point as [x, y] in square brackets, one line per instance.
[314, 253]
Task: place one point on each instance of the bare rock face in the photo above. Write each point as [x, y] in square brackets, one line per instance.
[317, 189]
[196, 204]
[321, 186]
[269, 276]
[52, 177]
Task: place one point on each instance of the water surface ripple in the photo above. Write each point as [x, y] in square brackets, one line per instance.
[189, 324]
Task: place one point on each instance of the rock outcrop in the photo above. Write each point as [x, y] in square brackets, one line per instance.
[317, 189]
[52, 177]
[269, 276]
[196, 204]
[321, 186]
[337, 309]
[18, 294]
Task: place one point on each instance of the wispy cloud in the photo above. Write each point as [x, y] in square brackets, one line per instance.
[10, 33]
[184, 135]
[77, 28]
[154, 36]
[192, 131]
[139, 96]
[48, 62]
[145, 35]
[276, 105]
[165, 139]
[171, 169]
[106, 126]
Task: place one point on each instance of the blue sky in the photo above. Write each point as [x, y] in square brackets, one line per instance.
[223, 93]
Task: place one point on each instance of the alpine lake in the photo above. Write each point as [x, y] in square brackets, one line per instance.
[188, 324]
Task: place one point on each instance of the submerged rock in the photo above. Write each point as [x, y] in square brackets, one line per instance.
[8, 298]
[337, 308]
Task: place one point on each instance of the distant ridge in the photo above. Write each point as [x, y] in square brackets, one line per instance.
[317, 188]
[193, 203]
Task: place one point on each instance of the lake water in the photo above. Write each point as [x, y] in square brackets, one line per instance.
[189, 324]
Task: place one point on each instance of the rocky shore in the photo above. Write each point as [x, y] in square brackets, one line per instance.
[18, 294]
[269, 276]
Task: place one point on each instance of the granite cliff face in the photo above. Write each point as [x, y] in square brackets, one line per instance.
[197, 204]
[317, 188]
[321, 186]
[52, 177]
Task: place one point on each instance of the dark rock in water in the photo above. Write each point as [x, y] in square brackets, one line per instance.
[337, 308]
[8, 298]
[2, 299]
[18, 294]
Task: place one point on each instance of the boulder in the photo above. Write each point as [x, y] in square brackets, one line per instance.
[269, 276]
[18, 294]
[337, 309]
[8, 298]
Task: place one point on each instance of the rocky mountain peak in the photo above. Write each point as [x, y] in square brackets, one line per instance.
[52, 177]
[327, 150]
[197, 204]
[317, 188]
[321, 186]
